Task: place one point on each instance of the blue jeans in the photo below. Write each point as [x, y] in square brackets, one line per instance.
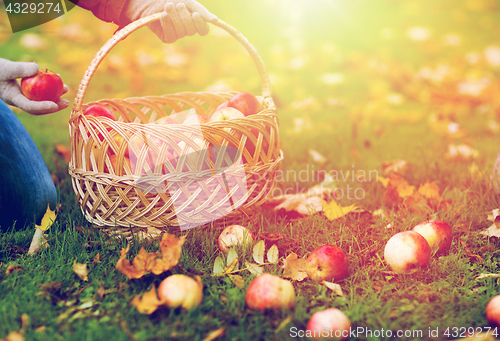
[26, 187]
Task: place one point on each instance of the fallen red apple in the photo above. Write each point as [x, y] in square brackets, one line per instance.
[437, 233]
[328, 324]
[97, 110]
[493, 311]
[234, 235]
[44, 86]
[407, 251]
[270, 292]
[327, 262]
[247, 103]
[181, 291]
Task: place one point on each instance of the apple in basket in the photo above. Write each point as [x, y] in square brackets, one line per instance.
[225, 114]
[245, 102]
[44, 86]
[195, 119]
[97, 110]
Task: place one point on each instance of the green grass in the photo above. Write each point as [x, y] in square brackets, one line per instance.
[351, 124]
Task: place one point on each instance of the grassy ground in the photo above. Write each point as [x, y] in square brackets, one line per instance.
[368, 117]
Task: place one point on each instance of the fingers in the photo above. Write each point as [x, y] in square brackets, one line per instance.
[183, 21]
[14, 70]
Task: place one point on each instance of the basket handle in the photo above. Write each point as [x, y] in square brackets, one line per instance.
[127, 30]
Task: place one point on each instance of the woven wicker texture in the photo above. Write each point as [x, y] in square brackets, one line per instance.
[140, 172]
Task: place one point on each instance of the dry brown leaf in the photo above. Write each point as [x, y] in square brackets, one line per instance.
[13, 268]
[81, 270]
[255, 269]
[63, 151]
[171, 249]
[303, 204]
[148, 303]
[336, 288]
[494, 229]
[294, 267]
[237, 280]
[145, 262]
[395, 166]
[214, 334]
[470, 254]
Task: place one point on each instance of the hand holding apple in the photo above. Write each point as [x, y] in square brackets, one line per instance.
[44, 86]
[327, 262]
[270, 292]
[406, 251]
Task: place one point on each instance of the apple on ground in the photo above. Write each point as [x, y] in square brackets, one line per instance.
[407, 251]
[437, 233]
[234, 235]
[181, 291]
[44, 86]
[225, 114]
[328, 324]
[327, 262]
[245, 102]
[268, 291]
[493, 311]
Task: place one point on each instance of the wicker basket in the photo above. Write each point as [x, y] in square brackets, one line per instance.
[137, 173]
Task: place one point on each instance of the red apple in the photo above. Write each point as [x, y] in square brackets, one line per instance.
[493, 311]
[223, 105]
[234, 235]
[181, 291]
[247, 103]
[196, 119]
[407, 251]
[328, 324]
[44, 86]
[97, 110]
[225, 114]
[437, 233]
[327, 262]
[270, 292]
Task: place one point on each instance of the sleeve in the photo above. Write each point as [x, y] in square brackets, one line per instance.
[106, 10]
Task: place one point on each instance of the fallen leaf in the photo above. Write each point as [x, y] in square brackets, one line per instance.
[302, 204]
[481, 276]
[317, 157]
[38, 243]
[494, 229]
[334, 287]
[294, 267]
[218, 265]
[13, 268]
[258, 252]
[461, 152]
[81, 270]
[148, 303]
[399, 167]
[63, 151]
[334, 211]
[283, 324]
[230, 267]
[255, 269]
[214, 334]
[470, 254]
[273, 254]
[47, 220]
[231, 256]
[97, 258]
[237, 280]
[144, 262]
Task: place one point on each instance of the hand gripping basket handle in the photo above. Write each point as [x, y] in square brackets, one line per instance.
[127, 30]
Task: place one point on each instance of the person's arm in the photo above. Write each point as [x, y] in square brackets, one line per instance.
[10, 90]
[183, 17]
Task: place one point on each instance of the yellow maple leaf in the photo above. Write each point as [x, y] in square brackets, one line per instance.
[383, 181]
[148, 303]
[333, 210]
[47, 220]
[429, 190]
[404, 189]
[294, 267]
